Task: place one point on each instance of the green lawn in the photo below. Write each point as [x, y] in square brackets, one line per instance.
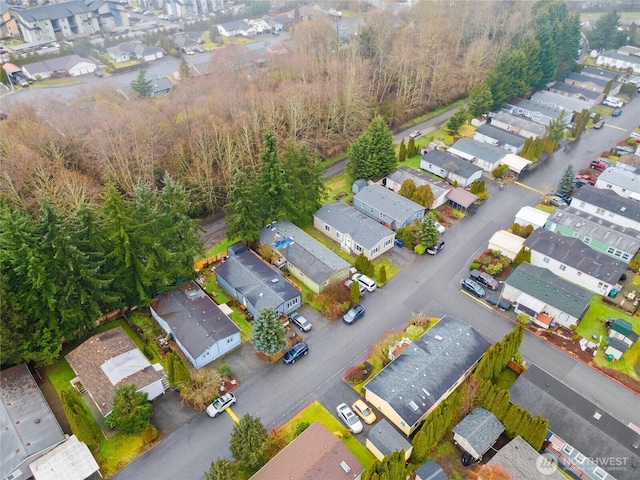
[341, 183]
[216, 249]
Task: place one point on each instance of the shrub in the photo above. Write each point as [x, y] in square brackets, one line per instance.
[524, 319]
[382, 274]
[301, 427]
[575, 338]
[474, 266]
[486, 261]
[204, 386]
[419, 249]
[225, 370]
[405, 235]
[500, 171]
[150, 434]
[494, 268]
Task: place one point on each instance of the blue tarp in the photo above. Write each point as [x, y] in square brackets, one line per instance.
[284, 243]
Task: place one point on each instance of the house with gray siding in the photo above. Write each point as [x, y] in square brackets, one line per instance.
[201, 329]
[608, 205]
[387, 207]
[625, 183]
[559, 102]
[395, 179]
[450, 167]
[591, 83]
[355, 232]
[574, 261]
[256, 285]
[611, 58]
[485, 155]
[601, 235]
[538, 112]
[307, 259]
[560, 301]
[510, 141]
[517, 124]
[577, 93]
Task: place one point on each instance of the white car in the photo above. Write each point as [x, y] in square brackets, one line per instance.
[415, 134]
[220, 404]
[349, 418]
[439, 227]
[301, 322]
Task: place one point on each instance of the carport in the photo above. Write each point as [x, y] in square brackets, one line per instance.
[460, 199]
[515, 163]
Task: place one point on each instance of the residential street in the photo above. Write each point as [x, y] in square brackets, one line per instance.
[275, 392]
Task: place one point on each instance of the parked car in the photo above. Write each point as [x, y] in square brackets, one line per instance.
[616, 112]
[364, 412]
[473, 287]
[599, 124]
[220, 404]
[580, 183]
[365, 281]
[600, 164]
[301, 322]
[349, 282]
[349, 418]
[199, 49]
[485, 279]
[439, 227]
[294, 353]
[435, 248]
[564, 196]
[415, 134]
[587, 178]
[353, 314]
[497, 301]
[556, 201]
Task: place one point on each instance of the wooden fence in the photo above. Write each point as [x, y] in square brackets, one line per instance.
[209, 261]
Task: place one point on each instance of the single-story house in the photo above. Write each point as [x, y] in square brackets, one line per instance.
[199, 327]
[608, 205]
[535, 290]
[531, 216]
[629, 161]
[256, 285]
[517, 124]
[485, 155]
[187, 41]
[430, 471]
[493, 135]
[538, 112]
[125, 52]
[29, 427]
[70, 460]
[307, 259]
[355, 232]
[110, 360]
[387, 207]
[599, 73]
[516, 163]
[236, 28]
[521, 462]
[450, 167]
[461, 199]
[578, 430]
[383, 440]
[426, 373]
[577, 93]
[560, 102]
[70, 65]
[477, 432]
[601, 235]
[623, 331]
[611, 58]
[395, 179]
[624, 182]
[615, 348]
[574, 261]
[161, 86]
[591, 83]
[507, 243]
[316, 453]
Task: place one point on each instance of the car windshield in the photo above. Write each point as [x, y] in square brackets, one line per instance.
[351, 418]
[366, 412]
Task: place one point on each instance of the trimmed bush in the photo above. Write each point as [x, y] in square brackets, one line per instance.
[420, 249]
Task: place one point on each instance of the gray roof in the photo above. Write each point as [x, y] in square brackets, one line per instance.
[542, 284]
[552, 112]
[579, 78]
[619, 56]
[502, 136]
[596, 228]
[415, 380]
[236, 25]
[54, 11]
[345, 219]
[480, 150]
[572, 252]
[522, 123]
[589, 95]
[620, 177]
[60, 64]
[560, 101]
[306, 253]
[161, 84]
[438, 187]
[27, 423]
[388, 202]
[617, 344]
[446, 160]
[249, 275]
[520, 459]
[600, 72]
[585, 426]
[608, 200]
[387, 439]
[480, 428]
[431, 471]
[195, 320]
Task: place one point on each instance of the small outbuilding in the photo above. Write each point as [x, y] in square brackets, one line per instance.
[383, 440]
[506, 243]
[477, 432]
[531, 216]
[431, 471]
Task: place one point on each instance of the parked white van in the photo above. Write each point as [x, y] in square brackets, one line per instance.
[365, 281]
[614, 102]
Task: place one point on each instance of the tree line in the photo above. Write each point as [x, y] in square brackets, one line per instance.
[62, 268]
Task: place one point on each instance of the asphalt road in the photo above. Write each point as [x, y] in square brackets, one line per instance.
[275, 392]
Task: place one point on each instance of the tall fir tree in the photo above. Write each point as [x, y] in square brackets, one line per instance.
[372, 155]
[244, 219]
[567, 181]
[304, 174]
[268, 332]
[276, 196]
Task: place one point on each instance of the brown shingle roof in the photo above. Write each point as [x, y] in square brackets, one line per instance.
[89, 359]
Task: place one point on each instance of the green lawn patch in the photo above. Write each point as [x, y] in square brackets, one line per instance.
[118, 451]
[330, 244]
[60, 374]
[391, 268]
[212, 286]
[245, 327]
[505, 379]
[413, 162]
[545, 208]
[57, 82]
[341, 183]
[216, 249]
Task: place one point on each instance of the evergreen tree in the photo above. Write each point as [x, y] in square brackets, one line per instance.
[412, 150]
[523, 255]
[456, 121]
[501, 404]
[382, 274]
[222, 469]
[355, 293]
[534, 69]
[567, 181]
[304, 174]
[131, 411]
[428, 233]
[407, 188]
[244, 219]
[402, 152]
[508, 79]
[420, 452]
[555, 129]
[480, 100]
[372, 155]
[605, 34]
[78, 416]
[423, 195]
[249, 442]
[141, 85]
[268, 332]
[275, 193]
[183, 69]
[547, 56]
[391, 467]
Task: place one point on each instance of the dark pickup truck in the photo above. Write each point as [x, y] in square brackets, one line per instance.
[484, 278]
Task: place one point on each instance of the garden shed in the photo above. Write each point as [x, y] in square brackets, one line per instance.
[531, 216]
[431, 471]
[477, 432]
[506, 243]
[358, 185]
[383, 440]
